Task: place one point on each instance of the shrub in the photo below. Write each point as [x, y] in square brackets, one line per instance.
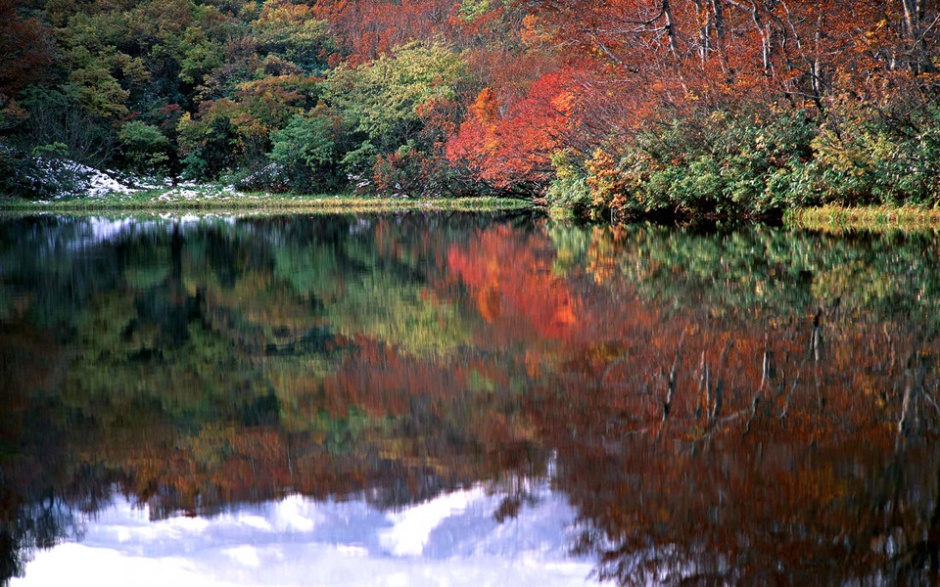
[307, 150]
[144, 147]
[569, 195]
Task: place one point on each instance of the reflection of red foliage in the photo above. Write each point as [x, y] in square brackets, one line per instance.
[512, 280]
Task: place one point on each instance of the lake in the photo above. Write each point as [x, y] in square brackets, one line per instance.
[459, 399]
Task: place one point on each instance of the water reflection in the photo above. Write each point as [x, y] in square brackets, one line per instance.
[452, 539]
[744, 408]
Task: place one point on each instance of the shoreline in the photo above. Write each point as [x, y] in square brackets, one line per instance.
[833, 219]
[200, 200]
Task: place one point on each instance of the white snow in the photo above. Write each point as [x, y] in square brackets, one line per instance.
[87, 180]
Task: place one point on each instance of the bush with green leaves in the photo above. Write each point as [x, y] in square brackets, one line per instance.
[307, 150]
[765, 161]
[389, 103]
[569, 195]
[875, 156]
[718, 164]
[144, 147]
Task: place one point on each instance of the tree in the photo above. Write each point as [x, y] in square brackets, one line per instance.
[307, 148]
[511, 147]
[383, 102]
[232, 132]
[144, 146]
[27, 52]
[293, 31]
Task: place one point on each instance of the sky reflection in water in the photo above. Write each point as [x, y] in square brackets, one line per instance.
[453, 539]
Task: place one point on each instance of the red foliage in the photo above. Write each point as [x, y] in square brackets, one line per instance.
[508, 145]
[660, 58]
[365, 29]
[25, 48]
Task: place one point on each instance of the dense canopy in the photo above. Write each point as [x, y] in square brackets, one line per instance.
[739, 107]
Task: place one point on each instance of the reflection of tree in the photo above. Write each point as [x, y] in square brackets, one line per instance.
[749, 483]
[702, 446]
[716, 416]
[33, 462]
[765, 269]
[222, 362]
[706, 451]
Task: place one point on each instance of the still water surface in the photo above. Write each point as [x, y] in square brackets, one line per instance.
[451, 399]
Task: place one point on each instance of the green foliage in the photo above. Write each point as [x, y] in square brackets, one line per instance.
[238, 132]
[58, 117]
[721, 164]
[144, 146]
[876, 157]
[764, 163]
[14, 165]
[382, 101]
[97, 91]
[291, 31]
[471, 10]
[208, 144]
[200, 56]
[569, 194]
[51, 151]
[307, 148]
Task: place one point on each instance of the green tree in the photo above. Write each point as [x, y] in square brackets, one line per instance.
[144, 146]
[382, 101]
[293, 32]
[307, 149]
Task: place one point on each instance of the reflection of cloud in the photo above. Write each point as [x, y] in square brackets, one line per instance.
[412, 527]
[293, 515]
[452, 540]
[246, 556]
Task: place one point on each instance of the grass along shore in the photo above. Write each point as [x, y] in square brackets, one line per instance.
[223, 199]
[839, 219]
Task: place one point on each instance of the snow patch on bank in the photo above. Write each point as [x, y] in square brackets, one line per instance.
[63, 178]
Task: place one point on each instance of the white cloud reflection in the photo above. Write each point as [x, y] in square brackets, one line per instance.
[452, 540]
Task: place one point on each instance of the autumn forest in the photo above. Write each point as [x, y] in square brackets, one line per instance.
[653, 383]
[600, 109]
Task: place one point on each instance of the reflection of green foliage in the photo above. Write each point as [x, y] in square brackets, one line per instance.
[304, 268]
[248, 314]
[342, 434]
[145, 277]
[570, 244]
[294, 380]
[185, 354]
[382, 307]
[6, 302]
[126, 357]
[148, 268]
[364, 294]
[479, 382]
[767, 269]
